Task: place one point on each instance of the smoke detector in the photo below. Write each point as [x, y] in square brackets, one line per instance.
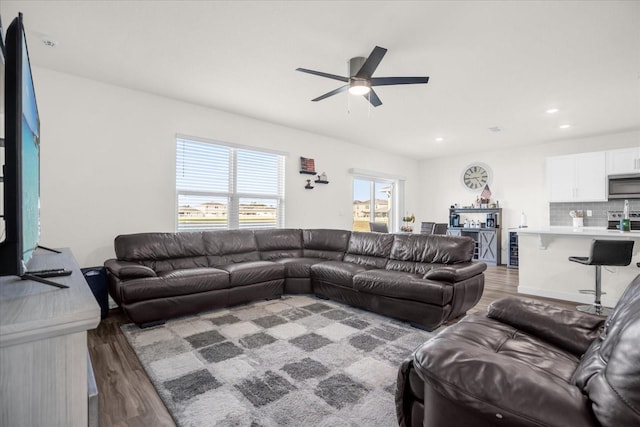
[48, 41]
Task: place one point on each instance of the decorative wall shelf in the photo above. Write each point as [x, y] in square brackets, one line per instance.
[319, 181]
[309, 172]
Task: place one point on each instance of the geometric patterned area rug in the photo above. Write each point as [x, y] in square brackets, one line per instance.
[296, 361]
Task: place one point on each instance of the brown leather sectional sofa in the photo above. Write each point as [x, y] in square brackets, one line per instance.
[422, 279]
[527, 363]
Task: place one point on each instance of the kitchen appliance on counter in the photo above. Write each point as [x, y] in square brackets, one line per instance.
[614, 217]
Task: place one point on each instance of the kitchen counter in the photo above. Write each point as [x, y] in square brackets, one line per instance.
[543, 234]
[544, 268]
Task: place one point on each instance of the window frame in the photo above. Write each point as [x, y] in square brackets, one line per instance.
[232, 195]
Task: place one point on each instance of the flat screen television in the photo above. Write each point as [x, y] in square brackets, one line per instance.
[22, 157]
[21, 170]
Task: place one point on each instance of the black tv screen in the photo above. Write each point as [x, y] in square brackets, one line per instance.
[21, 177]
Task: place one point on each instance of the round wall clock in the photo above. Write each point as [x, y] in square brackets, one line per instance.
[476, 176]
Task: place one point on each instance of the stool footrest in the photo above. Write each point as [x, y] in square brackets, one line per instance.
[590, 291]
[593, 309]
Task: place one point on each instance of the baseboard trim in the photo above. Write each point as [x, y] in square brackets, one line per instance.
[565, 296]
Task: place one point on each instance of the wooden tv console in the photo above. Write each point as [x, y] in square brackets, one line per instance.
[43, 346]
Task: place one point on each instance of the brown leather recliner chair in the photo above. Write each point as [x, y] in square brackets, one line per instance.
[527, 363]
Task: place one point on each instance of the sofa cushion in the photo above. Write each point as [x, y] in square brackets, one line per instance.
[298, 267]
[279, 243]
[252, 272]
[228, 246]
[401, 285]
[609, 372]
[336, 272]
[326, 244]
[370, 249]
[175, 283]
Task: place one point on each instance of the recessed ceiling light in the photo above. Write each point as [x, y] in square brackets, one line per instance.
[552, 111]
[565, 126]
[495, 129]
[439, 139]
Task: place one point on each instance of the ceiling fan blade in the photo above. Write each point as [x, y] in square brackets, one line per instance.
[386, 81]
[333, 92]
[373, 98]
[372, 62]
[321, 74]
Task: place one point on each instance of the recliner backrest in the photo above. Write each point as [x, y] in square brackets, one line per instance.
[609, 372]
[419, 253]
[326, 244]
[162, 251]
[279, 243]
[370, 249]
[230, 246]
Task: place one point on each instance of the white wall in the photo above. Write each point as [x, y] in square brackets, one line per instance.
[519, 181]
[108, 163]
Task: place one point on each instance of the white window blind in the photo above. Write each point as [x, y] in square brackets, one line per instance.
[225, 187]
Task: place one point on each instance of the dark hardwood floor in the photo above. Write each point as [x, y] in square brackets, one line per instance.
[127, 397]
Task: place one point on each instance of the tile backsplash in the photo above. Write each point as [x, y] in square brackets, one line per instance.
[559, 212]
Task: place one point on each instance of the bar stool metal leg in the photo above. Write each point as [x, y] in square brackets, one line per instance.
[596, 307]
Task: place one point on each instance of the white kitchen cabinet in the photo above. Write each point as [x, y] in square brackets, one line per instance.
[577, 177]
[625, 160]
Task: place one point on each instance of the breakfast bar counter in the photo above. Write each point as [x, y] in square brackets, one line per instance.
[545, 270]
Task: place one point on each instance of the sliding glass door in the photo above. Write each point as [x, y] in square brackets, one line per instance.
[373, 201]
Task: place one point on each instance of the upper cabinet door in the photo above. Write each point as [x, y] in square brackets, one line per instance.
[625, 160]
[591, 177]
[577, 178]
[561, 178]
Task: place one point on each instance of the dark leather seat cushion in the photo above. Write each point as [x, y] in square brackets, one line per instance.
[474, 361]
[408, 286]
[175, 283]
[298, 267]
[252, 272]
[336, 272]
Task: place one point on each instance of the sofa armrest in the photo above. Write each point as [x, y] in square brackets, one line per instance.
[456, 272]
[128, 270]
[572, 330]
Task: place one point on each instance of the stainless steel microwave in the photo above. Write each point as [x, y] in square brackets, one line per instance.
[625, 186]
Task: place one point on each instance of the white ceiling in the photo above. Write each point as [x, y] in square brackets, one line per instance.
[490, 63]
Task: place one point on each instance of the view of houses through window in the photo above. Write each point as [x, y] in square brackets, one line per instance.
[372, 202]
[224, 187]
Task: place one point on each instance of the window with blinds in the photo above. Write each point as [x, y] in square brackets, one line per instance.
[226, 187]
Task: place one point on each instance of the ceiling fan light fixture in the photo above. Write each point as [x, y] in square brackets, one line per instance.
[359, 87]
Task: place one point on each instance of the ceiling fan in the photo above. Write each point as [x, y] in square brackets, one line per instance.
[361, 80]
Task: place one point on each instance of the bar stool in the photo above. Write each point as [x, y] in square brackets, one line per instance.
[603, 252]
